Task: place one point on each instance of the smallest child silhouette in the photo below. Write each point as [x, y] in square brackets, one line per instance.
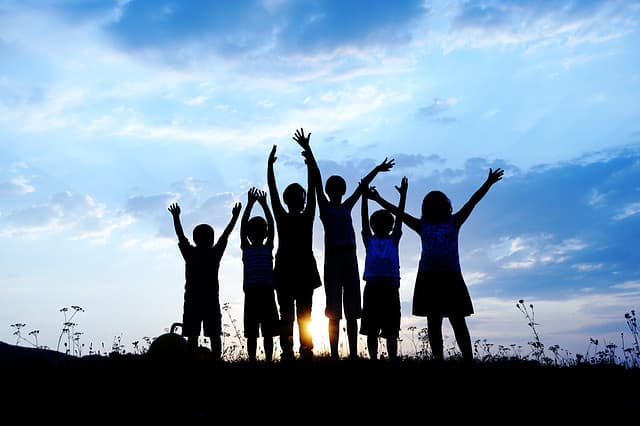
[381, 298]
[260, 309]
[201, 290]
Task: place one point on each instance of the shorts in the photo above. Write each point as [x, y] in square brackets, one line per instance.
[342, 283]
[260, 312]
[381, 308]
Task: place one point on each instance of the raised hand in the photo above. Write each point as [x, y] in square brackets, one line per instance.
[302, 140]
[372, 193]
[251, 195]
[495, 175]
[260, 196]
[272, 155]
[235, 212]
[404, 185]
[174, 209]
[386, 165]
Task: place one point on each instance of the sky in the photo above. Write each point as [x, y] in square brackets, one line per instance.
[111, 110]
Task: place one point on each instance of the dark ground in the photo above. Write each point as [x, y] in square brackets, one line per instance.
[48, 388]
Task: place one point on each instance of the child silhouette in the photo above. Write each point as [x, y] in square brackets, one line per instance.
[295, 270]
[440, 290]
[256, 242]
[341, 275]
[381, 299]
[201, 289]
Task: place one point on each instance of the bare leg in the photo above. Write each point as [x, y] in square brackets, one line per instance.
[392, 348]
[352, 335]
[372, 347]
[463, 338]
[268, 348]
[216, 347]
[434, 325]
[334, 336]
[252, 347]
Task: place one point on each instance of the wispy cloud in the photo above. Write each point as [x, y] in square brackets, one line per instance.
[628, 285]
[627, 211]
[527, 251]
[78, 214]
[16, 186]
[437, 109]
[536, 24]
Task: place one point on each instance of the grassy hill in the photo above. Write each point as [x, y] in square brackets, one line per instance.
[138, 389]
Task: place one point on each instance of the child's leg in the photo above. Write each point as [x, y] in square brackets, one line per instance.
[461, 331]
[352, 335]
[268, 348]
[392, 348]
[286, 303]
[303, 312]
[192, 343]
[252, 346]
[372, 346]
[434, 326]
[216, 347]
[334, 337]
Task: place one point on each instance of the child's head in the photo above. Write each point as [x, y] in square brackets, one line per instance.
[256, 230]
[294, 197]
[203, 235]
[381, 223]
[436, 207]
[335, 187]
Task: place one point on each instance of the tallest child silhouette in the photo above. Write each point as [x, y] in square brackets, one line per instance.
[295, 270]
[341, 276]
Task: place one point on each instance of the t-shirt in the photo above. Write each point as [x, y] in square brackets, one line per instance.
[258, 266]
[201, 266]
[382, 259]
[338, 226]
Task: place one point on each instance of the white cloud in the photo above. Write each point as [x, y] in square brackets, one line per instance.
[16, 186]
[596, 198]
[527, 251]
[587, 267]
[535, 25]
[627, 211]
[79, 214]
[627, 285]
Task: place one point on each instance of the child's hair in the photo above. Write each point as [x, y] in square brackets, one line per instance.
[335, 186]
[436, 207]
[381, 222]
[203, 235]
[294, 195]
[257, 229]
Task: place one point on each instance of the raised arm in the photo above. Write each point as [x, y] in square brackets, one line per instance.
[364, 216]
[409, 220]
[314, 171]
[261, 196]
[303, 141]
[402, 189]
[276, 205]
[174, 209]
[385, 166]
[461, 216]
[251, 199]
[224, 237]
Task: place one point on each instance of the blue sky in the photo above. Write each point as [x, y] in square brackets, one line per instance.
[111, 110]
